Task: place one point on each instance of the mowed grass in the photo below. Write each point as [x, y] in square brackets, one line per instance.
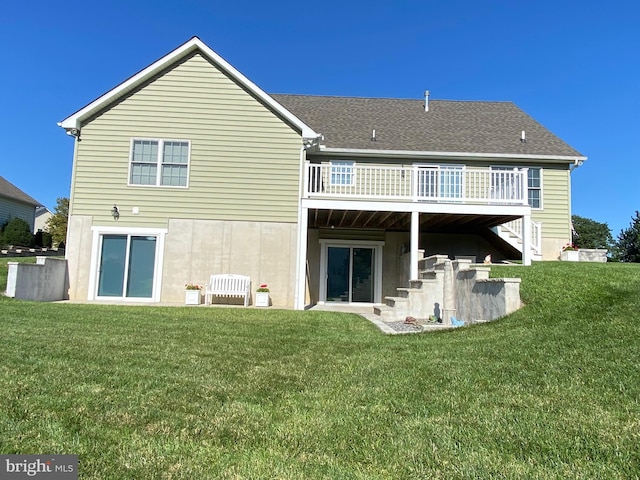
[552, 391]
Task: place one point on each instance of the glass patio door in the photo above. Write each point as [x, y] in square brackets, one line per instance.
[127, 266]
[350, 274]
[451, 179]
[440, 182]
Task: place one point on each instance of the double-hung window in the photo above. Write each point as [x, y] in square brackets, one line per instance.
[342, 172]
[159, 162]
[534, 184]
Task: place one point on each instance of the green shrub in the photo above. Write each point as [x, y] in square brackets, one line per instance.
[17, 232]
[42, 239]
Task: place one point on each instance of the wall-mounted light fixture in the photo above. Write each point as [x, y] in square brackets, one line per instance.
[115, 213]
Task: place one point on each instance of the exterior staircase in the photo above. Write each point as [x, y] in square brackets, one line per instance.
[449, 289]
[511, 233]
[424, 294]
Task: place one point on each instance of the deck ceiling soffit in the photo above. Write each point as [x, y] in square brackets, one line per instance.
[401, 221]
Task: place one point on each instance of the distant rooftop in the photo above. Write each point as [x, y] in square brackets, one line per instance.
[10, 191]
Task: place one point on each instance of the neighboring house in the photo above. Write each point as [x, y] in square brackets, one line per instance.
[42, 217]
[15, 203]
[323, 198]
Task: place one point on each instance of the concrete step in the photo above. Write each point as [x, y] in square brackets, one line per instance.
[404, 292]
[428, 275]
[417, 284]
[395, 302]
[384, 312]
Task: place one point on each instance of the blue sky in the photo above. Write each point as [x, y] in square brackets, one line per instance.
[574, 66]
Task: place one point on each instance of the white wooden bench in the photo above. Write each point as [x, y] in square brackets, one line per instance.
[228, 285]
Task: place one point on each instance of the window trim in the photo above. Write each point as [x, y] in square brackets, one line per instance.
[98, 232]
[159, 161]
[540, 169]
[540, 189]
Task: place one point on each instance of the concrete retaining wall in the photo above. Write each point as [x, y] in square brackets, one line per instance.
[43, 281]
[480, 298]
[449, 289]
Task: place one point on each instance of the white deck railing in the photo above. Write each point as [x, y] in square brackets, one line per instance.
[416, 183]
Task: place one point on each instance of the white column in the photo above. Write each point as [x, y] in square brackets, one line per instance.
[301, 265]
[526, 240]
[415, 228]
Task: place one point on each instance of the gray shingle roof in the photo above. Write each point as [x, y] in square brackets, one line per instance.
[448, 126]
[12, 192]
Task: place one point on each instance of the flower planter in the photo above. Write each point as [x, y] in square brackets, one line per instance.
[570, 256]
[192, 297]
[262, 299]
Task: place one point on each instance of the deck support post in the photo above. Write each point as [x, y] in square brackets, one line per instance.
[413, 259]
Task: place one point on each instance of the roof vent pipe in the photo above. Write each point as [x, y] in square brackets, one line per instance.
[426, 100]
[373, 135]
[523, 137]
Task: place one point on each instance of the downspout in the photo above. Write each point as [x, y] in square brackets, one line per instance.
[75, 133]
[576, 163]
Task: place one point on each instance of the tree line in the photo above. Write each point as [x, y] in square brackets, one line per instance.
[588, 233]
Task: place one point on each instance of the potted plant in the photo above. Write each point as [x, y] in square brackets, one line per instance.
[192, 294]
[262, 296]
[570, 253]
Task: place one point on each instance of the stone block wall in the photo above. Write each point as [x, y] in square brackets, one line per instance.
[593, 255]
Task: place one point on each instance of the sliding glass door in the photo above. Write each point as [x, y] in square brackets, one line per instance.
[440, 182]
[350, 274]
[127, 266]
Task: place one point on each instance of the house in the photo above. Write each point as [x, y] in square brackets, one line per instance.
[188, 168]
[15, 203]
[42, 216]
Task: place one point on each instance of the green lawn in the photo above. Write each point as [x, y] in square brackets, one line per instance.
[552, 391]
[4, 269]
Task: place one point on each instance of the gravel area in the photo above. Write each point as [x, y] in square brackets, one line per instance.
[402, 327]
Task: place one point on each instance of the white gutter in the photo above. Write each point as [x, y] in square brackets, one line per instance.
[432, 154]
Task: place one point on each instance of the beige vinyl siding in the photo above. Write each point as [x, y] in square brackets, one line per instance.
[244, 162]
[555, 213]
[11, 209]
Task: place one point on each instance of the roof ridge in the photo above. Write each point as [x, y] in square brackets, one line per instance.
[355, 97]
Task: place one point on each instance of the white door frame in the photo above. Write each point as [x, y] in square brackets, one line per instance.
[377, 247]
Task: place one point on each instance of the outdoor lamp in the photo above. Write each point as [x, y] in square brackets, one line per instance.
[115, 213]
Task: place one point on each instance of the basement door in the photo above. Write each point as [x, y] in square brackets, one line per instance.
[351, 273]
[127, 266]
